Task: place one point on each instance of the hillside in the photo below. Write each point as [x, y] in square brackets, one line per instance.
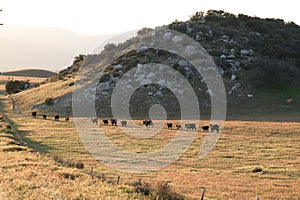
[258, 60]
[31, 73]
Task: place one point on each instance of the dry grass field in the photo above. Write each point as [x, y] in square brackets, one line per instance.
[30, 175]
[250, 159]
[22, 78]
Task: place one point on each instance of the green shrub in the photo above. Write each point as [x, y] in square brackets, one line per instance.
[49, 101]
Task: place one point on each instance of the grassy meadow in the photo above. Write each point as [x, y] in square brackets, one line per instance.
[27, 174]
[251, 158]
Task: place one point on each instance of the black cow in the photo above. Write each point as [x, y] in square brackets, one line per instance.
[205, 128]
[190, 126]
[170, 125]
[105, 122]
[178, 126]
[214, 127]
[113, 122]
[148, 123]
[34, 114]
[94, 120]
[56, 117]
[45, 117]
[124, 123]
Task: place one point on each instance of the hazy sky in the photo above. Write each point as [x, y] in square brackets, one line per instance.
[103, 16]
[24, 45]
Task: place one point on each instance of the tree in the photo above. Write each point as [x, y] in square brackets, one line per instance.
[13, 87]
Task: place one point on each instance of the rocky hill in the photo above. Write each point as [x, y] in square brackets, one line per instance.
[258, 60]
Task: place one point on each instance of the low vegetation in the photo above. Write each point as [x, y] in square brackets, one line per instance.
[13, 87]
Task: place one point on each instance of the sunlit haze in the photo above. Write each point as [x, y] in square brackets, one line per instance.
[62, 29]
[94, 16]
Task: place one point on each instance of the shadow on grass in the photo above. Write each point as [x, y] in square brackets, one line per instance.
[36, 146]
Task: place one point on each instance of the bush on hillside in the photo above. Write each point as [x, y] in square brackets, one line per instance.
[13, 87]
[49, 101]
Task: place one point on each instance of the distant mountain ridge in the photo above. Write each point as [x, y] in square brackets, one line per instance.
[43, 47]
[39, 73]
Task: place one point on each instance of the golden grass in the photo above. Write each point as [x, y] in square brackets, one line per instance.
[227, 171]
[22, 78]
[28, 98]
[28, 175]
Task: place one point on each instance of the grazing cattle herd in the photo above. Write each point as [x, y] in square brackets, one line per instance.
[34, 114]
[178, 127]
[105, 122]
[113, 122]
[205, 128]
[94, 120]
[190, 126]
[56, 117]
[147, 123]
[44, 116]
[214, 127]
[124, 123]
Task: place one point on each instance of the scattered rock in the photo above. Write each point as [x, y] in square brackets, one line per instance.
[223, 57]
[105, 93]
[167, 36]
[118, 67]
[183, 63]
[233, 77]
[140, 78]
[162, 83]
[231, 57]
[114, 79]
[142, 49]
[245, 52]
[198, 38]
[159, 93]
[234, 88]
[237, 64]
[104, 86]
[190, 50]
[232, 51]
[145, 82]
[210, 92]
[177, 38]
[151, 75]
